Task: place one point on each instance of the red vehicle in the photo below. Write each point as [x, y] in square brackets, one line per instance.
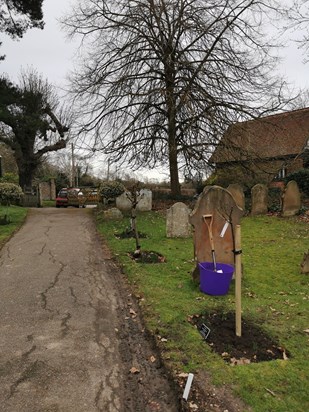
[65, 193]
[76, 197]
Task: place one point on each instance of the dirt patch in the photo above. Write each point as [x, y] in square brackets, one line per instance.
[129, 233]
[253, 346]
[147, 256]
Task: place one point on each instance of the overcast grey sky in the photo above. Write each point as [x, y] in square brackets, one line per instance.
[46, 50]
[51, 54]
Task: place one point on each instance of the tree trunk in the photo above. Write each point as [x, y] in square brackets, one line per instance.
[172, 143]
[173, 165]
[26, 172]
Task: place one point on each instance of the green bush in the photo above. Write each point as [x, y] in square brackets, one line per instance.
[111, 190]
[302, 179]
[9, 178]
[274, 199]
[9, 193]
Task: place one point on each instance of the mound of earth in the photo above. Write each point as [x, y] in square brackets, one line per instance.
[129, 233]
[218, 329]
[147, 256]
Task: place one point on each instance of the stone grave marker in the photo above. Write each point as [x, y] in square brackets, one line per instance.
[113, 214]
[237, 192]
[259, 200]
[144, 201]
[291, 199]
[123, 203]
[226, 214]
[177, 221]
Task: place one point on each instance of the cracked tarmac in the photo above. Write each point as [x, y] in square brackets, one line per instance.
[67, 339]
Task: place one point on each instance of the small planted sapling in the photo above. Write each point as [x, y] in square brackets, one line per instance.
[134, 197]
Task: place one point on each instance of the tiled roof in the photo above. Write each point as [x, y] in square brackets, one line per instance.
[273, 136]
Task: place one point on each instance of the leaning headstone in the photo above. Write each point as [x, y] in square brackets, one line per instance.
[144, 200]
[291, 199]
[259, 200]
[177, 221]
[123, 203]
[237, 192]
[112, 214]
[218, 203]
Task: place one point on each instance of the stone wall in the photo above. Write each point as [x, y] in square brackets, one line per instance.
[48, 190]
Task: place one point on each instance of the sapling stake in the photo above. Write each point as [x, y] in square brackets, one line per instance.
[238, 280]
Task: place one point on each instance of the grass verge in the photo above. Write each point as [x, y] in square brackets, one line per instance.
[17, 216]
[274, 295]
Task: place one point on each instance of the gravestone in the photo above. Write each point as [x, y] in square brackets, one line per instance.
[291, 199]
[123, 203]
[145, 200]
[237, 192]
[226, 214]
[259, 200]
[112, 214]
[177, 221]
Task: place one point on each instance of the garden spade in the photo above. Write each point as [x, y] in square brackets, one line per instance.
[208, 219]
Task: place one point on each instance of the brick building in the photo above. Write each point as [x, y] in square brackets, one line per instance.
[264, 149]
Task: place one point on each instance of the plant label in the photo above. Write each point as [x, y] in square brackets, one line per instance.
[204, 331]
[224, 229]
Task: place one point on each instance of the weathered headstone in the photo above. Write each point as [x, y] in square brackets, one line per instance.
[259, 200]
[291, 199]
[237, 192]
[226, 214]
[112, 214]
[145, 200]
[177, 221]
[124, 204]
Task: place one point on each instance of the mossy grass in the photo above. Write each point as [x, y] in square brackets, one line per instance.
[274, 295]
[49, 203]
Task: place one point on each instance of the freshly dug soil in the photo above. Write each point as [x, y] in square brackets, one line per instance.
[147, 256]
[128, 234]
[253, 346]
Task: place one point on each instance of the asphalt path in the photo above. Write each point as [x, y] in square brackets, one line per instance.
[71, 337]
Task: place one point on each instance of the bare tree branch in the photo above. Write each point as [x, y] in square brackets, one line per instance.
[160, 80]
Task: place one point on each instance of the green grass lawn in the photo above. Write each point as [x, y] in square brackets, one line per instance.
[16, 216]
[274, 295]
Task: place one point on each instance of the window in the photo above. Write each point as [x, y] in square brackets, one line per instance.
[281, 174]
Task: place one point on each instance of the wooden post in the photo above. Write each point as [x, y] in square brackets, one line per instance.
[238, 279]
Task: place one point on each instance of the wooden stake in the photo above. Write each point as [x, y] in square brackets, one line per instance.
[238, 279]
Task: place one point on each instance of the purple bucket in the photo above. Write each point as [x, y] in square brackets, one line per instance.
[215, 283]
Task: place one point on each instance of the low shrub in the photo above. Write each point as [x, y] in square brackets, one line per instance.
[111, 189]
[9, 193]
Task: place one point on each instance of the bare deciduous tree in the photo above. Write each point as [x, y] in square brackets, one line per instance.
[159, 81]
[297, 23]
